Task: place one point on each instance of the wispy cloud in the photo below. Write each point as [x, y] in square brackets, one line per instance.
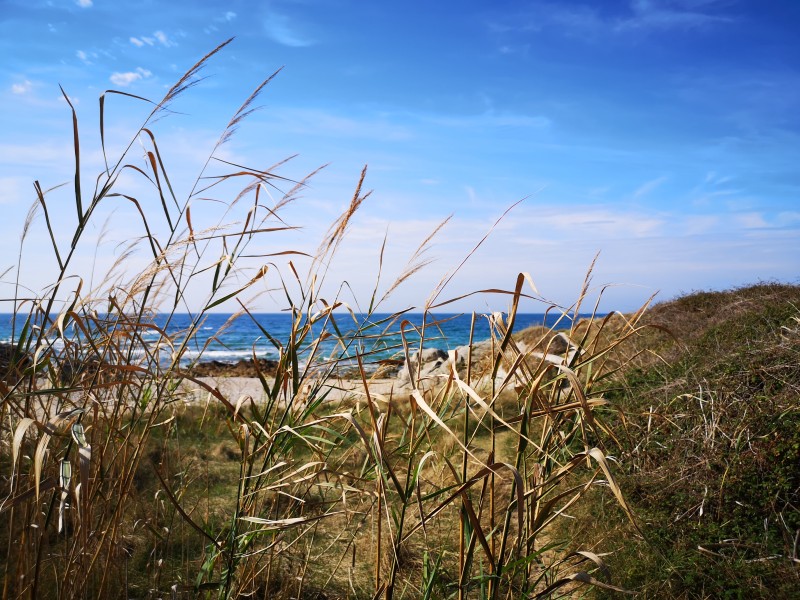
[712, 189]
[488, 119]
[21, 88]
[323, 122]
[86, 57]
[280, 29]
[752, 220]
[588, 22]
[700, 224]
[163, 39]
[227, 17]
[84, 3]
[673, 252]
[158, 37]
[649, 186]
[671, 14]
[46, 155]
[13, 189]
[127, 78]
[604, 223]
[788, 218]
[577, 18]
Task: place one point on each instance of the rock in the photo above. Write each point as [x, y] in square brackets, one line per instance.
[458, 356]
[242, 368]
[559, 344]
[12, 363]
[433, 362]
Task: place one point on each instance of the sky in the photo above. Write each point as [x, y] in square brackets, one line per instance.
[660, 136]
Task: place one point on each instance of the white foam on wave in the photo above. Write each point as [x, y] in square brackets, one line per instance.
[224, 354]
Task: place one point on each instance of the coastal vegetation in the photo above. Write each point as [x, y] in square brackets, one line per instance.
[709, 448]
[655, 453]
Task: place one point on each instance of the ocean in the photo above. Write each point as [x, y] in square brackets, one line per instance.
[380, 334]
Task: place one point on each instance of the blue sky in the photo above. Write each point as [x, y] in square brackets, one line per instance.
[663, 134]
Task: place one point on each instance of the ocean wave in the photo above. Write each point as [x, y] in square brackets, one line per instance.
[225, 354]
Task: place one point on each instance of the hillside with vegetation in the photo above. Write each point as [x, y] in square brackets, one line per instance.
[709, 448]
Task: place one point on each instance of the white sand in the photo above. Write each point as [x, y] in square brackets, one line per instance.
[234, 388]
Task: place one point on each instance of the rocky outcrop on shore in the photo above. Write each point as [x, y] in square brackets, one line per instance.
[241, 368]
[433, 364]
[426, 369]
[12, 363]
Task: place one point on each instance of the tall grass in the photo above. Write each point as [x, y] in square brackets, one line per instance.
[114, 486]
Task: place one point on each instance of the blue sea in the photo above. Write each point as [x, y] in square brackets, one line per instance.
[379, 336]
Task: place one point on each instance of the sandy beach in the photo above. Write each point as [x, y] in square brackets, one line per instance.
[235, 388]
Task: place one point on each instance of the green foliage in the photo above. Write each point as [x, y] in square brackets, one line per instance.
[712, 455]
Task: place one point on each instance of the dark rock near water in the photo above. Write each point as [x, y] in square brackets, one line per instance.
[12, 363]
[242, 368]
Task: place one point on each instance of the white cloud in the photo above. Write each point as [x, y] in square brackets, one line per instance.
[86, 57]
[472, 195]
[602, 223]
[302, 120]
[125, 79]
[787, 218]
[700, 224]
[672, 252]
[577, 18]
[280, 30]
[752, 220]
[163, 39]
[157, 37]
[15, 189]
[230, 16]
[669, 14]
[21, 88]
[585, 21]
[647, 187]
[84, 3]
[73, 99]
[489, 119]
[47, 156]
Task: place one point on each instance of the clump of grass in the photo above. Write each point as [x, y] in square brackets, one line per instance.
[117, 488]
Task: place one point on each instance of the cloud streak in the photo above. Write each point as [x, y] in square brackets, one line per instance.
[646, 188]
[653, 14]
[587, 22]
[21, 88]
[127, 78]
[158, 38]
[281, 30]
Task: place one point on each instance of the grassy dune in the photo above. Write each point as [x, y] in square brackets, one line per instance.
[710, 448]
[496, 483]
